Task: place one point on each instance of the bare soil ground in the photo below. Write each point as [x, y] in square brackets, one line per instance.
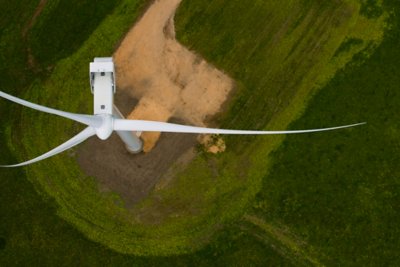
[132, 176]
[168, 79]
[157, 79]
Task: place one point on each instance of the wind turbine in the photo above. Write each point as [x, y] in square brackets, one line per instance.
[107, 117]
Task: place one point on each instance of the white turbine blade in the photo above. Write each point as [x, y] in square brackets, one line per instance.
[153, 126]
[76, 140]
[85, 119]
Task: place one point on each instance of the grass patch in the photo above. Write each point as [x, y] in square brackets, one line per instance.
[54, 37]
[278, 63]
[13, 55]
[276, 73]
[339, 192]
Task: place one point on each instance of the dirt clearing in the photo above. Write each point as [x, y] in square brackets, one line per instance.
[157, 79]
[168, 79]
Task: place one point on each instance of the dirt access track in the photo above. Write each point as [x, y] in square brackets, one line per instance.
[157, 79]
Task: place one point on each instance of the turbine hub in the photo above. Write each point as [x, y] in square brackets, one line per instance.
[105, 130]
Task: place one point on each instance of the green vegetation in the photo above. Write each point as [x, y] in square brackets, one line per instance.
[20, 229]
[339, 192]
[279, 61]
[13, 56]
[213, 190]
[72, 29]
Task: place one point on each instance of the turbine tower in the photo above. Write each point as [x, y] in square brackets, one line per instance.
[107, 117]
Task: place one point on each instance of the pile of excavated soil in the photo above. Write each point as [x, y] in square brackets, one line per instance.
[157, 79]
[168, 79]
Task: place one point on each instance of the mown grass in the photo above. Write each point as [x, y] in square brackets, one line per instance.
[340, 193]
[272, 92]
[31, 234]
[214, 190]
[186, 224]
[72, 28]
[13, 56]
[27, 224]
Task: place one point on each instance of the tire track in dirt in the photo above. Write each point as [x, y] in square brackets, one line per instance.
[31, 59]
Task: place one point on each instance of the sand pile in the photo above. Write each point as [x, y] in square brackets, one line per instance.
[168, 79]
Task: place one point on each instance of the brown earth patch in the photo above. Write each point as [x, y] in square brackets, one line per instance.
[171, 80]
[157, 79]
[212, 143]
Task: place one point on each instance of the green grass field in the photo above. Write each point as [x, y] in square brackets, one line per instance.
[340, 193]
[279, 62]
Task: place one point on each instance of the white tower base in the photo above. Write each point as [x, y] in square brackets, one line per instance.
[132, 142]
